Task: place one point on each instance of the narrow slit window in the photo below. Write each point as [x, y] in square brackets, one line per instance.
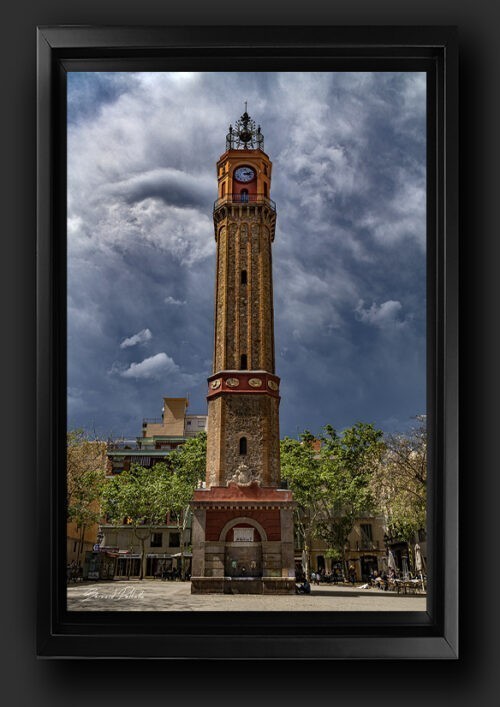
[243, 277]
[243, 445]
[244, 362]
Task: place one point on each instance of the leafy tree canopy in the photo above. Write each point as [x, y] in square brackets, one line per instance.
[399, 483]
[85, 471]
[330, 482]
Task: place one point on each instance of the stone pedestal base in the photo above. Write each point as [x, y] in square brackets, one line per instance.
[243, 541]
[247, 585]
[207, 585]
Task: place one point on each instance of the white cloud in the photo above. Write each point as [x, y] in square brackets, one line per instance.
[140, 338]
[383, 316]
[404, 215]
[172, 300]
[152, 367]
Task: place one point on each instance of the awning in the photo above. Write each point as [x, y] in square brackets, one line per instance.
[160, 556]
[124, 553]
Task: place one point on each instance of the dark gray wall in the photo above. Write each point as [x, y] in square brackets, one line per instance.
[118, 682]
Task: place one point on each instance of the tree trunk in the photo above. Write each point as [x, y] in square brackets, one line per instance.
[80, 545]
[180, 528]
[307, 554]
[142, 537]
[143, 559]
[344, 562]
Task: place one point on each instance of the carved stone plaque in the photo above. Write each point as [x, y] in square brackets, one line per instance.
[273, 385]
[243, 535]
[232, 382]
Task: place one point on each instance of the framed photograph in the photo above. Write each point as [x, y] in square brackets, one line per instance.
[255, 230]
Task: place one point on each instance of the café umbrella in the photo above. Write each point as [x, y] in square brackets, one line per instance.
[419, 563]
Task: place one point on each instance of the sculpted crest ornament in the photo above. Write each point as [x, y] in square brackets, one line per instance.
[255, 382]
[243, 476]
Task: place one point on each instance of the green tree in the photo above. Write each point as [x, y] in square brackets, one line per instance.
[85, 472]
[302, 469]
[331, 484]
[350, 460]
[187, 464]
[145, 496]
[399, 483]
[142, 497]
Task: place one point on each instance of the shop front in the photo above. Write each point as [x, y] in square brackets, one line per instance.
[369, 564]
[159, 565]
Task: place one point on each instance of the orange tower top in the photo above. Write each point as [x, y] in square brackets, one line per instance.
[244, 170]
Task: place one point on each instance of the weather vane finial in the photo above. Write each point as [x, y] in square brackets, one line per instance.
[245, 135]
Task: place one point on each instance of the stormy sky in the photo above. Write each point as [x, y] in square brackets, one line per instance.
[348, 153]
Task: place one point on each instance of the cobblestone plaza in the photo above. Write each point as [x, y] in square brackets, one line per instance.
[155, 595]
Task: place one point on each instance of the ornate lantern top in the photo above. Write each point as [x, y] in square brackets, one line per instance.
[244, 135]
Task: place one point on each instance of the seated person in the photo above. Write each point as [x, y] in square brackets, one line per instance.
[304, 588]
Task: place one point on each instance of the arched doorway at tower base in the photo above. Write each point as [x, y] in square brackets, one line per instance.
[243, 538]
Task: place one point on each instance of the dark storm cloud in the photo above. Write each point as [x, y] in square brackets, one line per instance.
[349, 257]
[170, 186]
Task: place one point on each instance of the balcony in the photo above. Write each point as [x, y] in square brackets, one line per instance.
[245, 199]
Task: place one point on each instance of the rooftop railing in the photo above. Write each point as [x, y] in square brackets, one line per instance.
[151, 421]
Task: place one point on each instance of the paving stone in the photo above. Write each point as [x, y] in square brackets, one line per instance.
[156, 595]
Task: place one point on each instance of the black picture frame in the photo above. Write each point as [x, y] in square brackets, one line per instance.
[420, 635]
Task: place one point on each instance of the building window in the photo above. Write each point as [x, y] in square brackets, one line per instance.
[75, 545]
[366, 535]
[156, 539]
[243, 277]
[243, 445]
[244, 362]
[223, 190]
[244, 195]
[174, 540]
[265, 189]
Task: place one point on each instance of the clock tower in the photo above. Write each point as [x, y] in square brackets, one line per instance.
[243, 520]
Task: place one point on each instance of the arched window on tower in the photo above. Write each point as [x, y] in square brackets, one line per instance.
[244, 195]
[243, 445]
[244, 362]
[265, 189]
[243, 277]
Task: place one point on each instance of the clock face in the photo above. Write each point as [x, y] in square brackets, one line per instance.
[244, 174]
